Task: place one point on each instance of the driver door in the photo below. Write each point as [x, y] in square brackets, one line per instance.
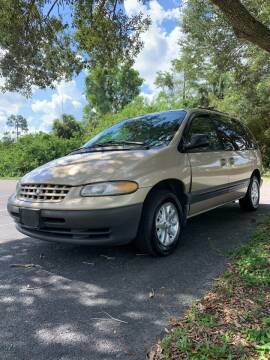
[209, 166]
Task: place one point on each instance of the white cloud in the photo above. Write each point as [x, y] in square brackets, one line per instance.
[66, 98]
[160, 47]
[41, 113]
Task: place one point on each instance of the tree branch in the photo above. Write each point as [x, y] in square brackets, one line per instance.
[51, 8]
[114, 8]
[245, 26]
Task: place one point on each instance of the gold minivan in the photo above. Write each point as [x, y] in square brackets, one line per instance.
[139, 180]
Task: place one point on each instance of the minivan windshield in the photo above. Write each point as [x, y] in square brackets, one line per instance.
[144, 131]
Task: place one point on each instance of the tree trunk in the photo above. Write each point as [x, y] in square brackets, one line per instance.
[245, 26]
[184, 87]
[17, 131]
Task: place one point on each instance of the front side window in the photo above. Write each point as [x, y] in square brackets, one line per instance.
[203, 125]
[152, 130]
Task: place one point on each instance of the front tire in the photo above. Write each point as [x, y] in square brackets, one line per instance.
[251, 200]
[161, 224]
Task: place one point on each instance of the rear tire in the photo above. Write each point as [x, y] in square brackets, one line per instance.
[252, 198]
[161, 224]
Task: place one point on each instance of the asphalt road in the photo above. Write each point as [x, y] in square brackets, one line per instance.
[93, 303]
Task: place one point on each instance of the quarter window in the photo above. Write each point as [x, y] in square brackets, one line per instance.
[250, 137]
[242, 132]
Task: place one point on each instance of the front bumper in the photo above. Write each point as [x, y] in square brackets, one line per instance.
[91, 227]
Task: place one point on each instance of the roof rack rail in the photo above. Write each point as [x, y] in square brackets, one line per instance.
[206, 108]
[212, 108]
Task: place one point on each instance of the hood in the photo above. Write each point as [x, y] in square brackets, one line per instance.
[98, 166]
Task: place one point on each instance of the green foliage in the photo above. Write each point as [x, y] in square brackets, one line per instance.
[31, 151]
[201, 319]
[137, 107]
[261, 337]
[252, 260]
[7, 138]
[106, 33]
[108, 90]
[221, 71]
[44, 41]
[165, 81]
[66, 127]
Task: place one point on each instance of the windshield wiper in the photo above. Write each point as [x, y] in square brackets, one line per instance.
[108, 143]
[122, 142]
[87, 148]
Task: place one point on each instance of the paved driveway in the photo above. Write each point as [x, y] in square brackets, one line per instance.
[93, 303]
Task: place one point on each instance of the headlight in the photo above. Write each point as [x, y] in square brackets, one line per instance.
[18, 186]
[109, 188]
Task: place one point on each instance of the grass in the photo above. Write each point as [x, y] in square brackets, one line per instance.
[232, 321]
[9, 178]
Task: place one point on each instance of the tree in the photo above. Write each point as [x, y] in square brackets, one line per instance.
[165, 81]
[66, 127]
[172, 84]
[110, 89]
[235, 77]
[7, 139]
[244, 24]
[19, 123]
[45, 41]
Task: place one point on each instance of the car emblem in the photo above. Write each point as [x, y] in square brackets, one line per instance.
[38, 192]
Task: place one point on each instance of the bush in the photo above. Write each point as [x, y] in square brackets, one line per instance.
[31, 151]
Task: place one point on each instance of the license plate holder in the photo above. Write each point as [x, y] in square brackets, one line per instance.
[30, 218]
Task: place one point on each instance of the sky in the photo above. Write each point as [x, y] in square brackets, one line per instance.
[160, 47]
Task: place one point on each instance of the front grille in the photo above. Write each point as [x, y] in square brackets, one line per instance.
[43, 192]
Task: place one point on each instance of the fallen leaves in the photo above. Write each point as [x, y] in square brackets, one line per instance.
[107, 257]
[109, 317]
[230, 321]
[29, 287]
[151, 294]
[88, 263]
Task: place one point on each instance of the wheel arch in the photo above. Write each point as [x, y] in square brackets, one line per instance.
[257, 173]
[177, 187]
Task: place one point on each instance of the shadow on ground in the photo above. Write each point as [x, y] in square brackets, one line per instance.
[61, 308]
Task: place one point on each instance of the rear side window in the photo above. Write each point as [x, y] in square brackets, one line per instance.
[232, 134]
[203, 125]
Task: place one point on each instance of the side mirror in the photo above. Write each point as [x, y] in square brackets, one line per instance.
[197, 141]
